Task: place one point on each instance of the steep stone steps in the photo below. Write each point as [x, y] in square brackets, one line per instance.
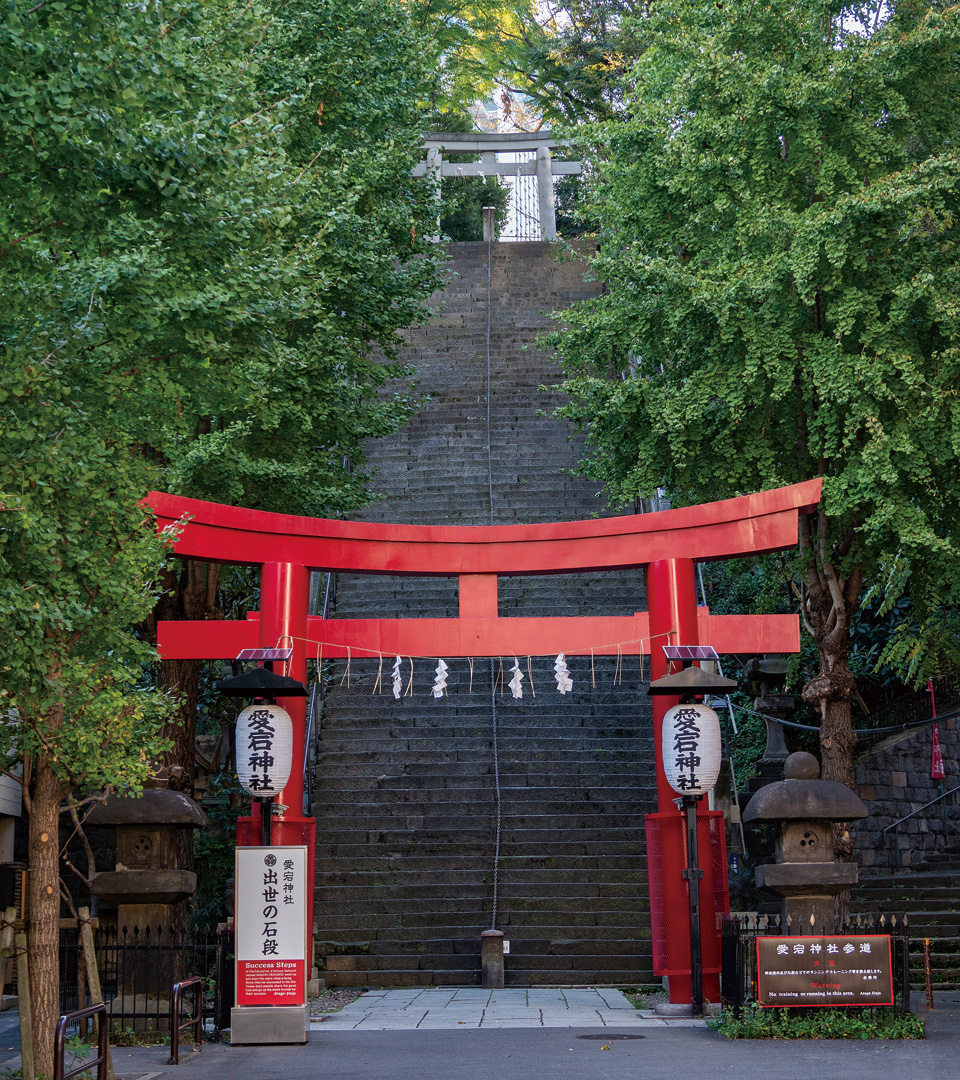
[406, 796]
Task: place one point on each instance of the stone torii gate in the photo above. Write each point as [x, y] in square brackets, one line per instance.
[488, 145]
[667, 544]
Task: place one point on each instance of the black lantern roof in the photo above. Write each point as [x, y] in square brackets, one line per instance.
[690, 682]
[260, 682]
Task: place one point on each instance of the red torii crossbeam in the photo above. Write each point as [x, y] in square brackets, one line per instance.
[667, 543]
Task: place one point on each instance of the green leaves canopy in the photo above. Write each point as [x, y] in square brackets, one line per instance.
[208, 230]
[777, 245]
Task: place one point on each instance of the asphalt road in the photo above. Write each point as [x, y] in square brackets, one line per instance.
[549, 1054]
[556, 1054]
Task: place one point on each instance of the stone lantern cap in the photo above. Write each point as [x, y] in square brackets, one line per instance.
[156, 806]
[802, 796]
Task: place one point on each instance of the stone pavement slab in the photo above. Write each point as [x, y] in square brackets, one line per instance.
[400, 1010]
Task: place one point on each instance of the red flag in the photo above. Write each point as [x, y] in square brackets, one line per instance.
[936, 759]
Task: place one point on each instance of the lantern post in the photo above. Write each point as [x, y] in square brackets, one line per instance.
[271, 881]
[691, 753]
[694, 875]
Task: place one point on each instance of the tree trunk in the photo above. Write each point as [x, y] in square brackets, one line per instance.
[189, 593]
[44, 912]
[831, 603]
[832, 691]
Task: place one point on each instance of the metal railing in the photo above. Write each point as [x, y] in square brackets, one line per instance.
[913, 813]
[139, 965]
[103, 1046]
[196, 1021]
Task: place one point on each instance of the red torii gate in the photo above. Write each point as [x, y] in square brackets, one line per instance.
[667, 543]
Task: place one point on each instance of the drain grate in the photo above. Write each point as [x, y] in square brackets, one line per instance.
[611, 1036]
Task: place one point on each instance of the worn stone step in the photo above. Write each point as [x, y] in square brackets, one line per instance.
[442, 878]
[557, 893]
[588, 916]
[517, 803]
[438, 788]
[402, 849]
[464, 938]
[580, 897]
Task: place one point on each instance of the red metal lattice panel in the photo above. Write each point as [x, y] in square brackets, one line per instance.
[670, 921]
[286, 831]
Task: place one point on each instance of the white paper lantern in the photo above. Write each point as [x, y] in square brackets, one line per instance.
[264, 749]
[691, 748]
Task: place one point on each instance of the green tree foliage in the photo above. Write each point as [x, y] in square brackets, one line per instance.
[776, 223]
[473, 39]
[569, 58]
[566, 58]
[207, 225]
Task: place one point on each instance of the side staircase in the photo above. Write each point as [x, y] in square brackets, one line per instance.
[929, 895]
[410, 858]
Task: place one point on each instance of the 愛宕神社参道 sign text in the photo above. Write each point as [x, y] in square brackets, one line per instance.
[830, 970]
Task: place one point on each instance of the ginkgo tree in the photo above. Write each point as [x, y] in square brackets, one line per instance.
[776, 224]
[209, 232]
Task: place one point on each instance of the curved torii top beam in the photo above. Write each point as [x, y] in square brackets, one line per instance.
[751, 524]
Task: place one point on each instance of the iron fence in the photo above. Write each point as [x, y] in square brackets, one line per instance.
[914, 707]
[738, 950]
[139, 967]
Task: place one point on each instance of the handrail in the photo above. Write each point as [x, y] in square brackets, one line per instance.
[103, 1045]
[317, 697]
[195, 983]
[925, 806]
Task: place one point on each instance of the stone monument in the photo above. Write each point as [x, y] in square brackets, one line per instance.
[147, 886]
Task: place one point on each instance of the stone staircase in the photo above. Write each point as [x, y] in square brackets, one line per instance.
[406, 790]
[929, 895]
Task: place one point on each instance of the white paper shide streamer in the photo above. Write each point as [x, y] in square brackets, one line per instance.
[516, 683]
[397, 679]
[264, 749]
[440, 682]
[691, 748]
[564, 682]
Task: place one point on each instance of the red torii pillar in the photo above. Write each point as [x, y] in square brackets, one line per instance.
[667, 543]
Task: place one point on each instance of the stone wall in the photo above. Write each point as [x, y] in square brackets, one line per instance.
[894, 780]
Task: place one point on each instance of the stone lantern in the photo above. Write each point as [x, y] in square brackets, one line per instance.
[148, 881]
[805, 807]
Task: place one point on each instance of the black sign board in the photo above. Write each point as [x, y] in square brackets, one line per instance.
[846, 969]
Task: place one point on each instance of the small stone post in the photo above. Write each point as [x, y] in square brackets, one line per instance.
[548, 212]
[489, 224]
[434, 179]
[491, 959]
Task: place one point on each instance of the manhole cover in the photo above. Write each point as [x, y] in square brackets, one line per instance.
[611, 1036]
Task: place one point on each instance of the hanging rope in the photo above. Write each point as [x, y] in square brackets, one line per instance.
[612, 648]
[493, 689]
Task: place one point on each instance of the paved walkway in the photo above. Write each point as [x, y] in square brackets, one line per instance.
[403, 1010]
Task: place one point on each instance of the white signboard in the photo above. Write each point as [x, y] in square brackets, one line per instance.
[691, 748]
[264, 749]
[271, 925]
